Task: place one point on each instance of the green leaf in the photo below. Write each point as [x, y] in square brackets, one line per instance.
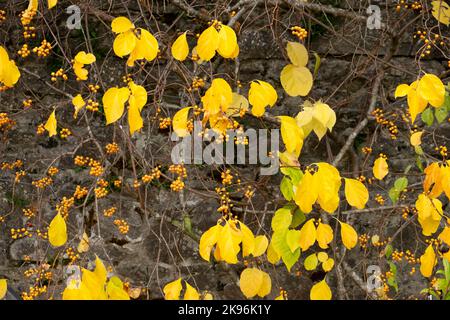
[441, 114]
[428, 117]
[282, 219]
[297, 218]
[419, 164]
[388, 251]
[286, 188]
[401, 183]
[295, 174]
[317, 64]
[281, 247]
[394, 195]
[293, 239]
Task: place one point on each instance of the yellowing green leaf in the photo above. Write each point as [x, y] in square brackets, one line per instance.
[311, 262]
[114, 101]
[180, 48]
[51, 124]
[208, 43]
[320, 291]
[296, 81]
[293, 239]
[297, 53]
[380, 168]
[348, 235]
[172, 290]
[57, 231]
[356, 193]
[282, 219]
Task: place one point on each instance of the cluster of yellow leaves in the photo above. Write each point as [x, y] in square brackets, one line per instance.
[380, 168]
[254, 282]
[437, 179]
[51, 124]
[172, 291]
[94, 285]
[317, 117]
[9, 73]
[138, 43]
[114, 101]
[441, 11]
[227, 240]
[81, 59]
[34, 4]
[313, 260]
[295, 78]
[3, 288]
[428, 90]
[223, 41]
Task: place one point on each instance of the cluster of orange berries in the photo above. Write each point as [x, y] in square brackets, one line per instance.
[5, 122]
[407, 255]
[12, 165]
[19, 175]
[71, 255]
[389, 124]
[299, 32]
[27, 16]
[377, 243]
[59, 74]
[249, 192]
[28, 212]
[379, 198]
[363, 239]
[27, 103]
[64, 133]
[92, 105]
[165, 123]
[96, 167]
[52, 171]
[34, 292]
[109, 212]
[42, 183]
[227, 177]
[2, 15]
[177, 185]
[101, 191]
[366, 150]
[29, 32]
[406, 212]
[112, 148]
[93, 88]
[80, 192]
[117, 183]
[44, 49]
[64, 206]
[429, 42]
[24, 51]
[127, 78]
[154, 174]
[178, 169]
[442, 151]
[225, 205]
[416, 5]
[197, 83]
[40, 129]
[20, 233]
[122, 225]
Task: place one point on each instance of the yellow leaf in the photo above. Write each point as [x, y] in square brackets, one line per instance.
[266, 285]
[441, 11]
[427, 262]
[83, 246]
[297, 53]
[208, 240]
[33, 5]
[402, 90]
[296, 81]
[328, 265]
[291, 133]
[251, 281]
[84, 58]
[146, 47]
[445, 235]
[51, 124]
[239, 104]
[380, 168]
[208, 43]
[307, 192]
[180, 122]
[218, 97]
[416, 104]
[124, 43]
[180, 48]
[3, 288]
[322, 256]
[320, 291]
[80, 72]
[308, 235]
[261, 95]
[324, 235]
[348, 235]
[121, 25]
[248, 240]
[431, 88]
[57, 231]
[139, 95]
[52, 3]
[429, 214]
[293, 239]
[78, 103]
[114, 101]
[228, 243]
[416, 138]
[356, 193]
[172, 290]
[100, 271]
[272, 255]
[311, 262]
[261, 244]
[191, 293]
[134, 116]
[115, 289]
[227, 41]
